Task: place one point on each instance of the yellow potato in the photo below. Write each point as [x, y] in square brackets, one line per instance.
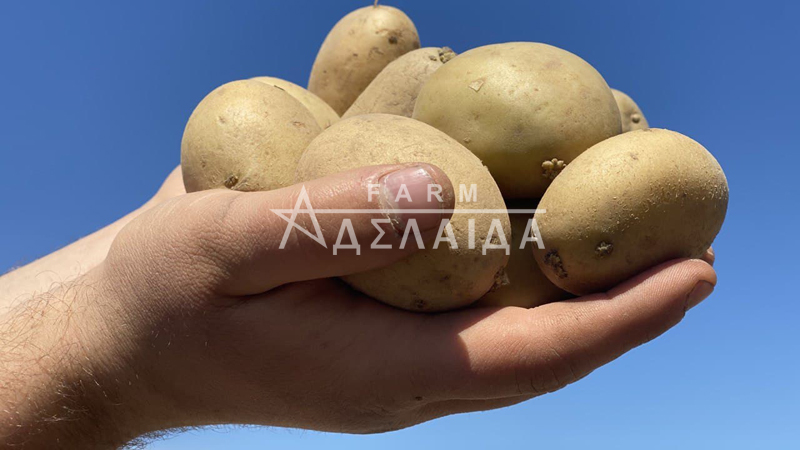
[395, 89]
[247, 136]
[526, 285]
[358, 47]
[323, 113]
[627, 204]
[525, 109]
[431, 279]
[630, 113]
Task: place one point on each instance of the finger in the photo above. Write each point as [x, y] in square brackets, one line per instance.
[709, 256]
[505, 352]
[261, 240]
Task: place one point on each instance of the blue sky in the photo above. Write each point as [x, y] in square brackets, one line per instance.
[95, 96]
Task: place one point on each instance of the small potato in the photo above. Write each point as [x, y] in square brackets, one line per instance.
[525, 109]
[627, 204]
[630, 113]
[358, 47]
[526, 285]
[395, 89]
[432, 279]
[323, 113]
[247, 136]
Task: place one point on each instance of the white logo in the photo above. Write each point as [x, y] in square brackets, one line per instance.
[495, 239]
[302, 199]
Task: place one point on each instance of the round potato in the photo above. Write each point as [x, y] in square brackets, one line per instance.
[431, 279]
[247, 136]
[358, 47]
[525, 109]
[630, 113]
[395, 89]
[646, 197]
[323, 113]
[526, 286]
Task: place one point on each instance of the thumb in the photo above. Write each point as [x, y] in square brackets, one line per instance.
[338, 225]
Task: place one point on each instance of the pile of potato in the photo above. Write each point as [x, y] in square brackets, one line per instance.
[530, 125]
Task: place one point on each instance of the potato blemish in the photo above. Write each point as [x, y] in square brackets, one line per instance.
[603, 249]
[231, 181]
[553, 259]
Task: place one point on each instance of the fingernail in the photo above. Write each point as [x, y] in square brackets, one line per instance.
[408, 194]
[699, 293]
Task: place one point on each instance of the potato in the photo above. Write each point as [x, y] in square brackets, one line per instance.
[627, 204]
[632, 117]
[247, 136]
[526, 285]
[525, 109]
[431, 279]
[323, 113]
[395, 89]
[358, 47]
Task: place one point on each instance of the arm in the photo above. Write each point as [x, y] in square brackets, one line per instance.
[196, 318]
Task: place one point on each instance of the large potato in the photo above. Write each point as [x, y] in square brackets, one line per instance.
[358, 47]
[525, 109]
[627, 204]
[323, 113]
[431, 279]
[526, 285]
[245, 135]
[631, 115]
[395, 89]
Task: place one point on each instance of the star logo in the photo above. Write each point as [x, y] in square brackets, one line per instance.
[303, 205]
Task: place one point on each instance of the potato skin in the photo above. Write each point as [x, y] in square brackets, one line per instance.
[430, 279]
[358, 47]
[395, 89]
[631, 115]
[247, 136]
[646, 197]
[526, 285]
[525, 109]
[322, 112]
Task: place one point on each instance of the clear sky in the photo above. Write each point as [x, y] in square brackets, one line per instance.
[95, 96]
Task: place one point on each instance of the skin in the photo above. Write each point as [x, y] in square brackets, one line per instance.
[193, 320]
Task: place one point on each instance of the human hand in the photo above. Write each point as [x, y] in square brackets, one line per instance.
[196, 318]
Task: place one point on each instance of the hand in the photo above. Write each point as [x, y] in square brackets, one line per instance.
[196, 317]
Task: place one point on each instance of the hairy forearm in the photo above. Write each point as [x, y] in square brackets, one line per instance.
[65, 377]
[54, 389]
